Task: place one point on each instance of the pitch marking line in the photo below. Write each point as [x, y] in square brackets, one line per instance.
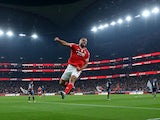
[103, 106]
[154, 119]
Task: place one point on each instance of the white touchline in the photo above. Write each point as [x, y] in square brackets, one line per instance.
[104, 106]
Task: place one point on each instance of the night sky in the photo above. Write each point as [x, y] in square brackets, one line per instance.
[71, 20]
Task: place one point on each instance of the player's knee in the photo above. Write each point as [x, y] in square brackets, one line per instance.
[73, 79]
[61, 82]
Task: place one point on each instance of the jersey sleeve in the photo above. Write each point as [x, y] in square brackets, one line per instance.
[72, 45]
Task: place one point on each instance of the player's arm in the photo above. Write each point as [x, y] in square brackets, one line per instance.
[83, 67]
[86, 63]
[62, 42]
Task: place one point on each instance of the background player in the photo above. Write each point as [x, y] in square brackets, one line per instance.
[39, 91]
[31, 91]
[43, 90]
[78, 60]
[108, 84]
[154, 84]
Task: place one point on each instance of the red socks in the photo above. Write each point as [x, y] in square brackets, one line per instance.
[68, 88]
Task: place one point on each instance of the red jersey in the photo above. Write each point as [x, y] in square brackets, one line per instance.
[79, 56]
[39, 89]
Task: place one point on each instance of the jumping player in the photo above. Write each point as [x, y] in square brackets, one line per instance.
[79, 58]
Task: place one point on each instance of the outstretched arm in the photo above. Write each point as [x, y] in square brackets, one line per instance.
[62, 42]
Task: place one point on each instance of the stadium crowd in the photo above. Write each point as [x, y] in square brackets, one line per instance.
[88, 86]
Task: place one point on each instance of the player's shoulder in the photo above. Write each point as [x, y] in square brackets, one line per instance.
[73, 44]
[87, 50]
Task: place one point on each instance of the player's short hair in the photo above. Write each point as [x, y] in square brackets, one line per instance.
[83, 38]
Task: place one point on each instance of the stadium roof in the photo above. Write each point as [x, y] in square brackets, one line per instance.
[72, 19]
[66, 12]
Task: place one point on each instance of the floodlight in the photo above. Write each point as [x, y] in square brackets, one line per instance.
[128, 18]
[106, 25]
[101, 27]
[9, 33]
[1, 32]
[22, 35]
[94, 29]
[34, 36]
[113, 23]
[137, 16]
[120, 21]
[155, 10]
[145, 13]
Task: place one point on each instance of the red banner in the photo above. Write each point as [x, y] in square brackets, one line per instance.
[88, 77]
[92, 62]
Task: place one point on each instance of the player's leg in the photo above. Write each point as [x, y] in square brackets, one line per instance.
[29, 96]
[71, 83]
[154, 92]
[65, 77]
[75, 74]
[33, 96]
[72, 74]
[63, 82]
[154, 95]
[43, 94]
[108, 95]
[69, 86]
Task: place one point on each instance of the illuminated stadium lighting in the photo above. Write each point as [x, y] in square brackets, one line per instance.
[101, 27]
[9, 33]
[106, 25]
[155, 10]
[137, 16]
[120, 21]
[22, 35]
[128, 18]
[145, 13]
[94, 29]
[113, 23]
[1, 32]
[34, 36]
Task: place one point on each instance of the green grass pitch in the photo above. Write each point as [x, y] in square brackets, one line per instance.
[86, 107]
